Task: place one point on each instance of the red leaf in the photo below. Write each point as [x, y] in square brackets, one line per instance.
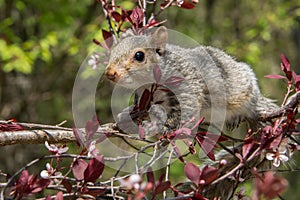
[150, 176]
[285, 63]
[96, 192]
[116, 16]
[94, 169]
[137, 16]
[24, 177]
[296, 81]
[157, 73]
[187, 5]
[174, 81]
[145, 100]
[48, 197]
[67, 185]
[78, 169]
[198, 196]
[39, 185]
[141, 132]
[10, 127]
[97, 42]
[192, 172]
[181, 133]
[270, 186]
[176, 149]
[108, 39]
[59, 196]
[163, 186]
[198, 123]
[209, 174]
[275, 76]
[91, 127]
[126, 13]
[160, 180]
[247, 147]
[154, 23]
[79, 137]
[207, 145]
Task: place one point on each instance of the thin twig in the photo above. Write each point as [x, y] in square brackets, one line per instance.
[107, 17]
[239, 166]
[168, 170]
[163, 8]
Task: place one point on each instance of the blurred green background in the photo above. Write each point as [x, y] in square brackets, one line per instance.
[43, 43]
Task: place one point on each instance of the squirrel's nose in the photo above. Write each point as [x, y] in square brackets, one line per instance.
[111, 74]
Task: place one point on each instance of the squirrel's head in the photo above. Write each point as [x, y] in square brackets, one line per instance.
[133, 57]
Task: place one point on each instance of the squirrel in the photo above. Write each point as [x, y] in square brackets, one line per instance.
[216, 86]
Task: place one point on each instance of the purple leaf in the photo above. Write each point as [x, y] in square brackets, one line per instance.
[275, 76]
[182, 133]
[150, 176]
[145, 100]
[97, 42]
[116, 16]
[163, 186]
[79, 137]
[187, 5]
[209, 174]
[137, 16]
[91, 127]
[198, 196]
[78, 168]
[207, 144]
[141, 132]
[192, 172]
[10, 126]
[198, 123]
[48, 197]
[94, 169]
[59, 196]
[108, 39]
[174, 81]
[67, 185]
[247, 147]
[157, 73]
[296, 81]
[285, 63]
[177, 151]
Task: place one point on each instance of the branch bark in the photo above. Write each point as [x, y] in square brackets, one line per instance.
[39, 133]
[293, 102]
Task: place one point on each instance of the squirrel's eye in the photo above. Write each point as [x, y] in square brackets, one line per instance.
[139, 56]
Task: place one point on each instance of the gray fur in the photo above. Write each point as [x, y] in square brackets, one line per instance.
[216, 86]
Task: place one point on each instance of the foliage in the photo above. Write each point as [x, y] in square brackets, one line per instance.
[85, 179]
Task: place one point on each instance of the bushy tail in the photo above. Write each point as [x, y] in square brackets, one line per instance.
[265, 106]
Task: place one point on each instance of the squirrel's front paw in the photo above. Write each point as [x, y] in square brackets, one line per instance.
[158, 117]
[153, 121]
[125, 122]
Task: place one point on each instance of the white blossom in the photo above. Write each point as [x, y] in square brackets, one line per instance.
[278, 155]
[94, 61]
[56, 149]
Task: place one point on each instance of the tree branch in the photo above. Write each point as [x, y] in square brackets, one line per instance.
[292, 103]
[39, 133]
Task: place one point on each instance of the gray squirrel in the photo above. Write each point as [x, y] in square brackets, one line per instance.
[215, 86]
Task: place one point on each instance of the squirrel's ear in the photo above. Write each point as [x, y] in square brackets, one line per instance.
[159, 39]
